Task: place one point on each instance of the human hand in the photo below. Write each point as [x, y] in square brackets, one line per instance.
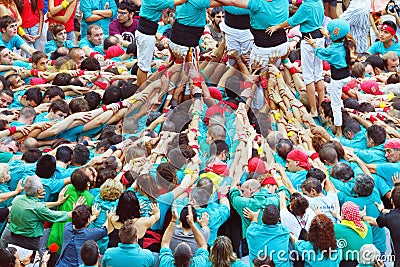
[96, 209]
[155, 209]
[335, 211]
[25, 130]
[396, 179]
[310, 41]
[19, 187]
[205, 219]
[251, 215]
[81, 200]
[380, 206]
[271, 30]
[317, 209]
[61, 196]
[189, 217]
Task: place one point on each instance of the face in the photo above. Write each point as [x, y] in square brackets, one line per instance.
[245, 191]
[5, 57]
[58, 115]
[41, 65]
[393, 64]
[123, 16]
[61, 37]
[392, 155]
[79, 56]
[17, 82]
[369, 70]
[384, 36]
[291, 165]
[6, 176]
[219, 18]
[96, 37]
[5, 100]
[10, 147]
[11, 29]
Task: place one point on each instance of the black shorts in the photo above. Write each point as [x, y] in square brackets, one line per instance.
[331, 2]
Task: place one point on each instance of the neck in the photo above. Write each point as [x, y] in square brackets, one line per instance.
[59, 44]
[388, 43]
[62, 164]
[6, 37]
[216, 28]
[128, 23]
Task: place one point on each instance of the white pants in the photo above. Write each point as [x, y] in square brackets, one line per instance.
[310, 63]
[335, 92]
[145, 50]
[262, 54]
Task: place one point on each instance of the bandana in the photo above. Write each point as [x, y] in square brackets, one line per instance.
[269, 180]
[351, 212]
[392, 143]
[218, 167]
[100, 84]
[257, 165]
[390, 30]
[215, 93]
[300, 157]
[371, 87]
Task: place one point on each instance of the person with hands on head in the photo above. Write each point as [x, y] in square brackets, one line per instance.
[182, 256]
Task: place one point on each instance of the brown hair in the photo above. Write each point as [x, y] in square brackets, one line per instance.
[322, 235]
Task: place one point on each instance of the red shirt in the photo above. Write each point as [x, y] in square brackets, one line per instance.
[28, 16]
[69, 25]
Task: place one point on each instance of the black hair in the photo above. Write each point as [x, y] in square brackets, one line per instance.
[34, 94]
[46, 166]
[93, 99]
[31, 155]
[316, 173]
[377, 134]
[80, 180]
[342, 171]
[111, 95]
[270, 215]
[90, 253]
[81, 154]
[184, 214]
[64, 154]
[351, 103]
[62, 79]
[54, 91]
[90, 64]
[80, 216]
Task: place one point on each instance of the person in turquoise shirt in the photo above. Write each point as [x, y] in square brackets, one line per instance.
[387, 40]
[222, 247]
[353, 231]
[392, 154]
[9, 37]
[92, 40]
[128, 252]
[60, 40]
[90, 254]
[269, 238]
[375, 153]
[183, 253]
[321, 248]
[297, 166]
[310, 17]
[98, 12]
[366, 197]
[354, 135]
[19, 170]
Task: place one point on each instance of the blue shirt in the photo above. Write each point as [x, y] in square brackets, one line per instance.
[378, 47]
[335, 55]
[52, 186]
[192, 13]
[73, 241]
[51, 46]
[306, 248]
[310, 16]
[373, 155]
[297, 178]
[387, 170]
[15, 42]
[267, 240]
[236, 10]
[19, 170]
[264, 14]
[151, 9]
[128, 255]
[359, 141]
[87, 6]
[84, 42]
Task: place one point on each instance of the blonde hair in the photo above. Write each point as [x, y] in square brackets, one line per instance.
[221, 252]
[111, 190]
[3, 171]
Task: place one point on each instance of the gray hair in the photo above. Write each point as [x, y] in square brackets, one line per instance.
[32, 185]
[364, 185]
[200, 195]
[7, 139]
[368, 254]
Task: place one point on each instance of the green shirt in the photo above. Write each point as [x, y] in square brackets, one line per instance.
[352, 241]
[28, 214]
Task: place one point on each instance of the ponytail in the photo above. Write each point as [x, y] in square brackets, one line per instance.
[348, 53]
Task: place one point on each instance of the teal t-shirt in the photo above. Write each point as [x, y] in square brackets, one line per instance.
[192, 13]
[310, 16]
[378, 47]
[151, 9]
[277, 12]
[311, 259]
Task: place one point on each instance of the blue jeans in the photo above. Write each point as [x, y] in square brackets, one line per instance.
[33, 31]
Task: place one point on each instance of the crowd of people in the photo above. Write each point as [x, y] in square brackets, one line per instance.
[199, 133]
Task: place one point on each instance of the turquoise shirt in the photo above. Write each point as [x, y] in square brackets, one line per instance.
[387, 170]
[87, 6]
[310, 16]
[237, 263]
[359, 141]
[373, 155]
[378, 47]
[15, 42]
[41, 117]
[84, 42]
[52, 186]
[192, 13]
[267, 240]
[264, 14]
[164, 201]
[16, 103]
[297, 178]
[128, 255]
[151, 9]
[236, 10]
[335, 55]
[317, 259]
[51, 46]
[19, 170]
[378, 234]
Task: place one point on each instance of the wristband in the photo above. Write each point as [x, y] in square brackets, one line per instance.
[193, 130]
[248, 85]
[64, 4]
[292, 70]
[94, 53]
[120, 104]
[195, 147]
[104, 107]
[21, 31]
[264, 83]
[285, 61]
[196, 113]
[12, 130]
[242, 99]
[382, 104]
[372, 119]
[198, 84]
[113, 148]
[345, 89]
[291, 133]
[81, 72]
[85, 142]
[221, 195]
[314, 156]
[34, 72]
[197, 96]
[278, 75]
[188, 171]
[390, 96]
[277, 116]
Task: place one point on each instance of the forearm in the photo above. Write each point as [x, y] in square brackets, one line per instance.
[8, 195]
[52, 204]
[168, 234]
[201, 242]
[94, 18]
